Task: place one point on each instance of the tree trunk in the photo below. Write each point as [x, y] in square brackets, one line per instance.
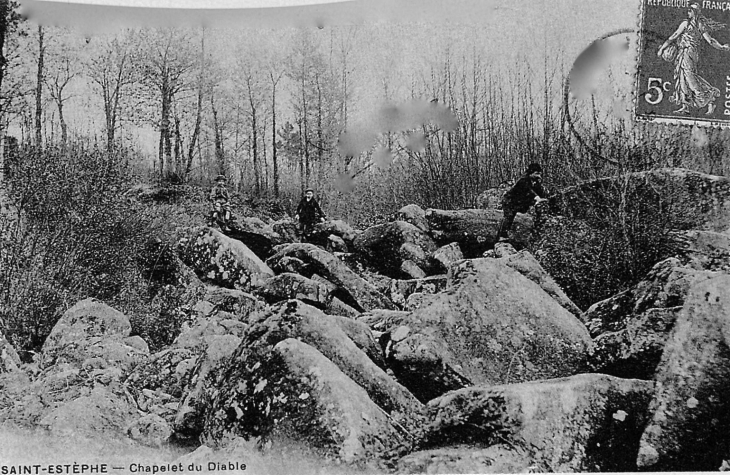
[273, 137]
[178, 148]
[199, 114]
[219, 155]
[39, 90]
[165, 145]
[111, 118]
[255, 151]
[64, 126]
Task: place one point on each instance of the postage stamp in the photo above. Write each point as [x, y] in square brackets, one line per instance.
[684, 62]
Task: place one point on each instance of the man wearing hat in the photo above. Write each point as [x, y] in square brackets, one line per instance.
[526, 192]
[221, 200]
[308, 213]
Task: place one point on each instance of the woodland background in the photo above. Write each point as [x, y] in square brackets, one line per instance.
[373, 116]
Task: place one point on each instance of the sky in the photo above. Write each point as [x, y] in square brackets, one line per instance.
[510, 31]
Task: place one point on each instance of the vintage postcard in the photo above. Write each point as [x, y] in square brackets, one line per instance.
[369, 236]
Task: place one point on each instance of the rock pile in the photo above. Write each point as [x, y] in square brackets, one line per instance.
[386, 349]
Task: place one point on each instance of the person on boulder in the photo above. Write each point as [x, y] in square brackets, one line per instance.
[526, 192]
[221, 201]
[308, 213]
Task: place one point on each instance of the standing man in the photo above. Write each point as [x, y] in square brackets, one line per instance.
[308, 213]
[221, 201]
[526, 192]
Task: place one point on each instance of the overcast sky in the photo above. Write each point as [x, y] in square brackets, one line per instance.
[514, 30]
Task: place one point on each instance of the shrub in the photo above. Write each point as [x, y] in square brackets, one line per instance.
[74, 236]
[607, 237]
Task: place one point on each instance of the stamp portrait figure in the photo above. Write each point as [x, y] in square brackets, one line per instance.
[683, 48]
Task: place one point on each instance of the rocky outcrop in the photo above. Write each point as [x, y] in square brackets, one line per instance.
[524, 263]
[296, 393]
[492, 325]
[584, 423]
[691, 407]
[665, 286]
[188, 419]
[632, 327]
[695, 200]
[635, 351]
[355, 291]
[475, 230]
[251, 363]
[221, 260]
[389, 245]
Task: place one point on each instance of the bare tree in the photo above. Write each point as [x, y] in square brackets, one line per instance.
[166, 61]
[199, 108]
[39, 88]
[112, 71]
[62, 67]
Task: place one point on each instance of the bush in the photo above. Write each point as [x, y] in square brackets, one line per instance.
[607, 237]
[74, 236]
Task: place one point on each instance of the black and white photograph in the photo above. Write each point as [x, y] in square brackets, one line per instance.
[364, 236]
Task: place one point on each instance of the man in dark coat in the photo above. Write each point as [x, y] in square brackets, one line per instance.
[308, 213]
[526, 192]
[221, 201]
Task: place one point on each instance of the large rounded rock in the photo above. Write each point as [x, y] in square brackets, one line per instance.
[447, 255]
[691, 407]
[355, 291]
[414, 215]
[389, 245]
[188, 420]
[584, 423]
[526, 264]
[295, 393]
[221, 260]
[295, 319]
[91, 329]
[151, 430]
[101, 413]
[492, 325]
